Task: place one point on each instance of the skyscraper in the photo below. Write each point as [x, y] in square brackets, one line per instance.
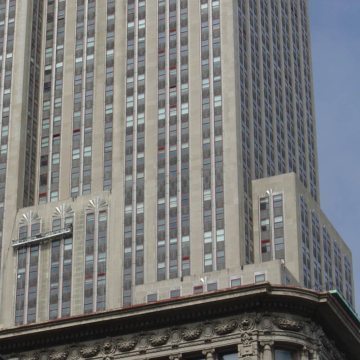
[151, 150]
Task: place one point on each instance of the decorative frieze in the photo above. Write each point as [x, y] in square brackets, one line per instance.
[249, 332]
[288, 324]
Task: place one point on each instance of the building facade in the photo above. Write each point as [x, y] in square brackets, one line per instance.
[142, 147]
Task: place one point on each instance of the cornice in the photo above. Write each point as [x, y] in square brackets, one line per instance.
[259, 297]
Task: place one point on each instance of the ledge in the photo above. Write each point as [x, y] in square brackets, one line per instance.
[322, 307]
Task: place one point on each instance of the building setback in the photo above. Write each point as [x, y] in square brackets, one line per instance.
[157, 149]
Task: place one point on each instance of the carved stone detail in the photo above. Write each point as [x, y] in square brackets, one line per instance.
[127, 345]
[189, 334]
[108, 347]
[251, 330]
[59, 355]
[208, 330]
[246, 338]
[175, 337]
[89, 350]
[287, 324]
[73, 353]
[246, 324]
[159, 339]
[33, 356]
[226, 327]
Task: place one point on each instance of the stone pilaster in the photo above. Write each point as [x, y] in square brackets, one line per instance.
[209, 354]
[175, 357]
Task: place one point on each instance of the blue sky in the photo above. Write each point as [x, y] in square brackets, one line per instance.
[335, 33]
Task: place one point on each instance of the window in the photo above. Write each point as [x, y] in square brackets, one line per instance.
[232, 356]
[198, 289]
[285, 355]
[212, 286]
[175, 293]
[259, 277]
[235, 282]
[151, 298]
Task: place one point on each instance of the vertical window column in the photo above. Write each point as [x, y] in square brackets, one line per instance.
[54, 279]
[271, 216]
[134, 149]
[305, 242]
[7, 29]
[245, 74]
[310, 125]
[83, 98]
[184, 140]
[288, 104]
[162, 142]
[315, 227]
[173, 224]
[27, 276]
[89, 264]
[348, 290]
[338, 267]
[20, 286]
[101, 261]
[95, 261]
[213, 187]
[267, 114]
[265, 229]
[52, 103]
[327, 251]
[33, 103]
[254, 77]
[278, 225]
[109, 94]
[60, 270]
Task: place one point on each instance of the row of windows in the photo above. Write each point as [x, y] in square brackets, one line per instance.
[27, 276]
[212, 132]
[272, 227]
[173, 208]
[324, 264]
[7, 29]
[52, 103]
[83, 98]
[134, 149]
[208, 286]
[61, 272]
[33, 104]
[109, 95]
[95, 262]
[245, 127]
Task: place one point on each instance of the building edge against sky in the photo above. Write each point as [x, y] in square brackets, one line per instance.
[128, 158]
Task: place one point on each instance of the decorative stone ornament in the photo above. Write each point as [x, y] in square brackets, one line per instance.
[225, 327]
[250, 332]
[89, 351]
[189, 334]
[34, 356]
[127, 345]
[288, 324]
[108, 347]
[246, 324]
[59, 355]
[159, 339]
